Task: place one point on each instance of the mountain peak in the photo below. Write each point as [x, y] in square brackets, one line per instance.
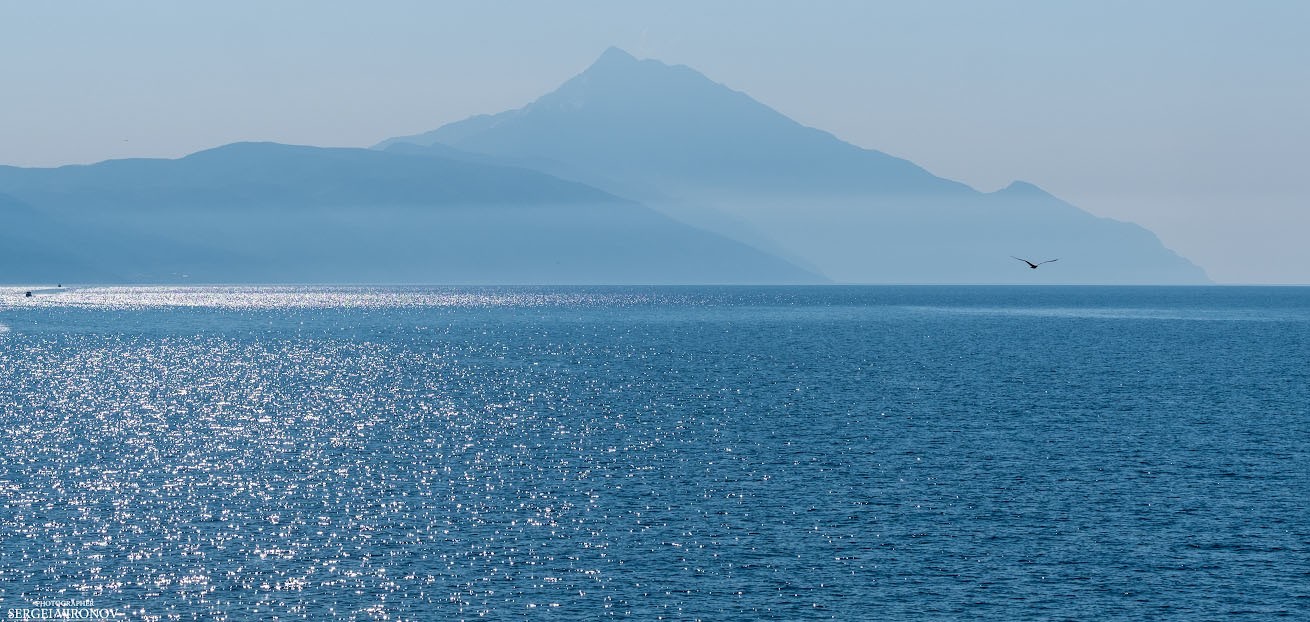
[613, 55]
[1022, 188]
[617, 64]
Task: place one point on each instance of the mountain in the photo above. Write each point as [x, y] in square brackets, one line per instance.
[710, 156]
[643, 120]
[35, 248]
[264, 212]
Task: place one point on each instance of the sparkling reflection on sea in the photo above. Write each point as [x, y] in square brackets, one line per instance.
[686, 453]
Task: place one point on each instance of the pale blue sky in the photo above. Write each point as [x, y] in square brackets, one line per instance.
[1187, 117]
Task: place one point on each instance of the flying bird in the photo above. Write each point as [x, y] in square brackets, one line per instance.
[1034, 265]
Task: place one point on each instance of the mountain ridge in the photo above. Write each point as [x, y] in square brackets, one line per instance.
[632, 171]
[265, 212]
[713, 157]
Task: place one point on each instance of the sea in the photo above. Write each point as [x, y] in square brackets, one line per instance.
[655, 453]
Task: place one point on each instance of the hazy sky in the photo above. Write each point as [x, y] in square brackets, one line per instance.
[1191, 118]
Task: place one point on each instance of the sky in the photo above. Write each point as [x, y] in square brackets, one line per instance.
[1191, 118]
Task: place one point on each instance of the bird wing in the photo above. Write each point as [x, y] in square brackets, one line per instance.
[1025, 261]
[1048, 261]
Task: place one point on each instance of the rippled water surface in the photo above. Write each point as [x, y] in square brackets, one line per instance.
[931, 453]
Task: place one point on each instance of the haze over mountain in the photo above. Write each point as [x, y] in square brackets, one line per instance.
[713, 157]
[37, 246]
[264, 212]
[631, 172]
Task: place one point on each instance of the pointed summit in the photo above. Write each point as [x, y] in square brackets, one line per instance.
[1019, 187]
[616, 66]
[613, 56]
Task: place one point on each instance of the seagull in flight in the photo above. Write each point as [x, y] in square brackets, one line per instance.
[1034, 265]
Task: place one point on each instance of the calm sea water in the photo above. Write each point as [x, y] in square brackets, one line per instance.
[893, 453]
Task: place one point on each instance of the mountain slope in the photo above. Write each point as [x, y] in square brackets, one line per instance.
[35, 248]
[705, 154]
[263, 212]
[638, 120]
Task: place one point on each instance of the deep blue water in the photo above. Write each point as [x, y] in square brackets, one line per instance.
[893, 453]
